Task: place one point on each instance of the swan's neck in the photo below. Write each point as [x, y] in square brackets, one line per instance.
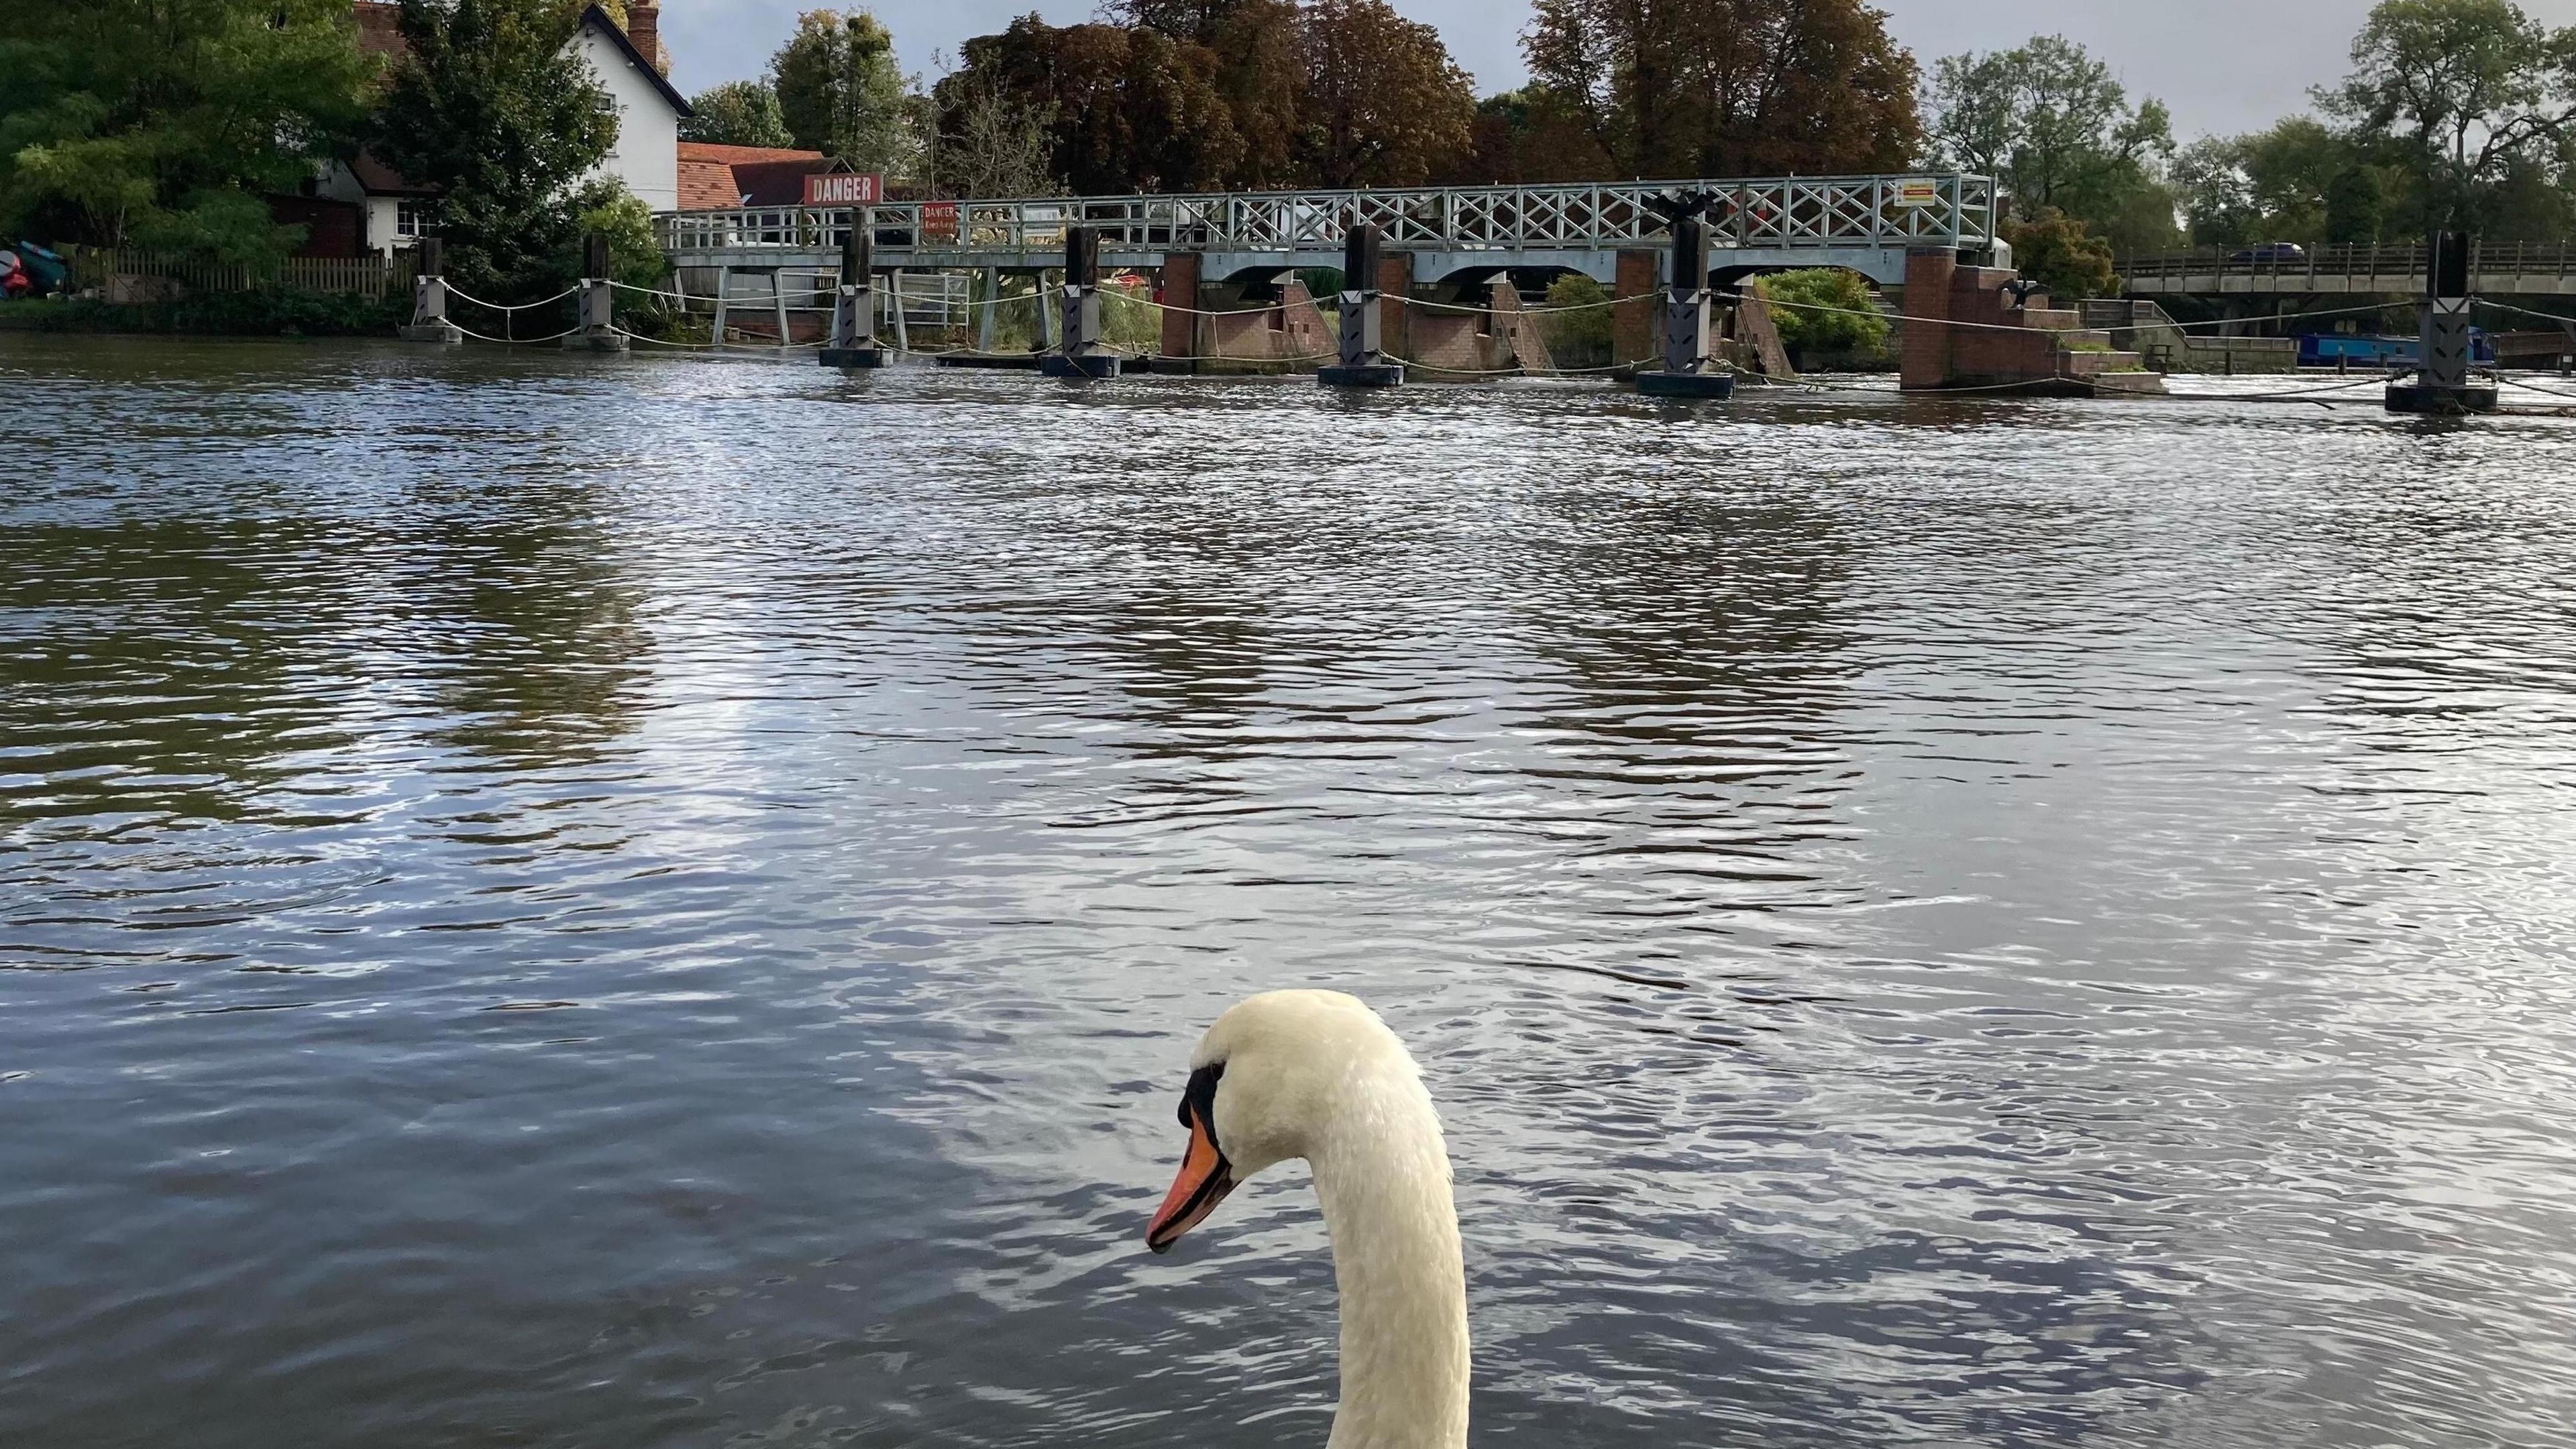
[1386, 1201]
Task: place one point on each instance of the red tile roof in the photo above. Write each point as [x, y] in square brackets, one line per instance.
[706, 185]
[729, 155]
[717, 178]
[380, 29]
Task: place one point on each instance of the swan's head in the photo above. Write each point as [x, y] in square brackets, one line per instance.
[1275, 1078]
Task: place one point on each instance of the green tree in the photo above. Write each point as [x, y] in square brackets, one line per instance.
[2057, 128]
[1730, 87]
[2356, 202]
[1824, 309]
[2298, 181]
[496, 110]
[841, 93]
[2473, 94]
[1385, 104]
[2054, 250]
[164, 121]
[737, 113]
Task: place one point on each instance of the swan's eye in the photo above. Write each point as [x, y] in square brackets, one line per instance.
[1199, 1097]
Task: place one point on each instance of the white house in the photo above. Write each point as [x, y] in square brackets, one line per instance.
[379, 211]
[647, 154]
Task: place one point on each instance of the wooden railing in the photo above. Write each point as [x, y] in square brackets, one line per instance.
[371, 276]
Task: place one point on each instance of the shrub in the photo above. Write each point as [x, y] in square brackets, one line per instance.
[2069, 262]
[1852, 326]
[274, 312]
[1578, 339]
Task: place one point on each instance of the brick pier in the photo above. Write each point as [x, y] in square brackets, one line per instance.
[2026, 347]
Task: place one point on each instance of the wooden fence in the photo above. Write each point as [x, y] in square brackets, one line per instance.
[134, 272]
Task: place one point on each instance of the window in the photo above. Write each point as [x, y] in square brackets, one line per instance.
[411, 219]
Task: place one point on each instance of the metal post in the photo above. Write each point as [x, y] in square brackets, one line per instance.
[1046, 312]
[596, 324]
[853, 342]
[1689, 369]
[778, 300]
[992, 306]
[2442, 383]
[429, 298]
[1079, 350]
[902, 332]
[724, 296]
[1362, 361]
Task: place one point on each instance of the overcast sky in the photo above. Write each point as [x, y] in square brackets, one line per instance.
[2222, 65]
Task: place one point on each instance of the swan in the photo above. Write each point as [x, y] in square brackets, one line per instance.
[1316, 1074]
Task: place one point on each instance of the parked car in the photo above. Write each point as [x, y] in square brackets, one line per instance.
[2271, 254]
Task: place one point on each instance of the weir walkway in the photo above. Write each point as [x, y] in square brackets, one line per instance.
[1449, 236]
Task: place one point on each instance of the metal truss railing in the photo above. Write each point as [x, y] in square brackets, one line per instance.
[1950, 209]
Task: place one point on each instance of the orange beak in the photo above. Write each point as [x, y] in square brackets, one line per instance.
[1205, 1178]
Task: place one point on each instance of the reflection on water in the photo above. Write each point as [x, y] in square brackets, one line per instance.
[622, 901]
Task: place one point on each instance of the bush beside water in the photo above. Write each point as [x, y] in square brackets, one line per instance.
[268, 313]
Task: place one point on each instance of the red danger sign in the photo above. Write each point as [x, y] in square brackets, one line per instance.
[845, 188]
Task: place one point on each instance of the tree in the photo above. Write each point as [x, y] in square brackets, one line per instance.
[1128, 109]
[2054, 250]
[1730, 87]
[737, 113]
[985, 143]
[2056, 127]
[1385, 104]
[495, 109]
[2473, 92]
[2299, 181]
[1529, 135]
[1824, 309]
[841, 93]
[164, 121]
[1261, 74]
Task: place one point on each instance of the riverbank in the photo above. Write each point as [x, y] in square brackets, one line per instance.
[266, 313]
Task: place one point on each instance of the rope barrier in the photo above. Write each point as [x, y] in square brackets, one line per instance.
[2017, 327]
[518, 341]
[2522, 311]
[517, 307]
[717, 346]
[681, 297]
[2535, 387]
[1519, 371]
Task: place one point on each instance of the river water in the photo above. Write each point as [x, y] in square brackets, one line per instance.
[647, 902]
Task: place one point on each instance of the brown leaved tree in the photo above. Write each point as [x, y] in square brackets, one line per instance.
[1385, 104]
[1129, 108]
[1730, 87]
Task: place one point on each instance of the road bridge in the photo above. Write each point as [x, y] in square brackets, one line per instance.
[2496, 269]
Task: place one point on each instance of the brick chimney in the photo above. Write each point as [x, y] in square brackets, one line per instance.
[644, 28]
